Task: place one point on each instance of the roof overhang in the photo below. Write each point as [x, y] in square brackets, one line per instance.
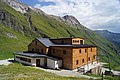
[32, 55]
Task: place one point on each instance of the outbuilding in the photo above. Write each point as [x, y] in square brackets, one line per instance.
[38, 60]
[54, 63]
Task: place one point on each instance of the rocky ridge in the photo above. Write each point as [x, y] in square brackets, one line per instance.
[71, 20]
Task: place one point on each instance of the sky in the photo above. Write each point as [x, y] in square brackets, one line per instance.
[94, 14]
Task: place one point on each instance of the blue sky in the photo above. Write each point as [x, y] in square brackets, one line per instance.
[94, 14]
[29, 2]
[34, 2]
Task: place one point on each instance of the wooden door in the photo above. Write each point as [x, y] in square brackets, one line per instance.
[38, 62]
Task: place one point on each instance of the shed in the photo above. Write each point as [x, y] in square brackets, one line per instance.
[54, 63]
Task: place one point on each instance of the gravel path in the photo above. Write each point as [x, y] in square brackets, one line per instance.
[68, 73]
[5, 62]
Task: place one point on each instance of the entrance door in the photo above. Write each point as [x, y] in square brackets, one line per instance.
[38, 62]
[45, 62]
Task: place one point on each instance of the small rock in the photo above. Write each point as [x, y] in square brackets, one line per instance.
[11, 35]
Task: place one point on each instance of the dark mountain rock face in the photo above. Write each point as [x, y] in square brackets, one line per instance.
[15, 23]
[9, 20]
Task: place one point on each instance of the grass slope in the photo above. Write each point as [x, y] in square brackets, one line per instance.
[19, 72]
[9, 45]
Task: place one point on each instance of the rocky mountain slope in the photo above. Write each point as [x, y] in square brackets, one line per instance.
[19, 24]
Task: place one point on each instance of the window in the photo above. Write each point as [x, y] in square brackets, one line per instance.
[76, 62]
[80, 51]
[23, 59]
[76, 41]
[38, 50]
[64, 51]
[93, 56]
[29, 60]
[32, 50]
[89, 58]
[41, 50]
[62, 42]
[53, 50]
[18, 57]
[81, 41]
[35, 42]
[85, 50]
[91, 49]
[82, 60]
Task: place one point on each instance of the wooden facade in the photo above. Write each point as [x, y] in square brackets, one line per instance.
[38, 47]
[65, 53]
[73, 52]
[83, 56]
[77, 41]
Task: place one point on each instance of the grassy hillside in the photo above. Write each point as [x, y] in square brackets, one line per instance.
[25, 27]
[8, 45]
[20, 72]
[113, 37]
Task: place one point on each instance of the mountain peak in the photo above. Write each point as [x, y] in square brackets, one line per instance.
[17, 6]
[71, 20]
[22, 8]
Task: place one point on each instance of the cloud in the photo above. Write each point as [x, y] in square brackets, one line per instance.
[94, 14]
